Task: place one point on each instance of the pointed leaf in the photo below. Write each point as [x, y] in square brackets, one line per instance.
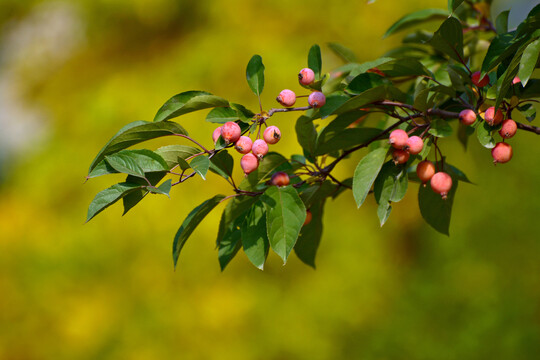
[200, 165]
[343, 52]
[254, 237]
[416, 18]
[315, 60]
[501, 23]
[436, 211]
[365, 82]
[255, 74]
[484, 135]
[306, 133]
[187, 102]
[221, 115]
[163, 189]
[129, 161]
[310, 236]
[440, 128]
[346, 139]
[235, 209]
[359, 101]
[134, 197]
[528, 61]
[366, 172]
[448, 39]
[230, 244]
[171, 153]
[107, 197]
[222, 164]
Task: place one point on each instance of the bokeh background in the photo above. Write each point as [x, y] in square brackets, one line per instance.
[73, 72]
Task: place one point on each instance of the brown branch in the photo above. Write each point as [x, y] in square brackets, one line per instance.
[531, 128]
[303, 108]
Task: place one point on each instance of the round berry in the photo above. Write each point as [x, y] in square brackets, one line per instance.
[259, 148]
[502, 152]
[493, 118]
[479, 82]
[216, 134]
[272, 135]
[441, 183]
[286, 98]
[243, 145]
[280, 178]
[398, 138]
[400, 156]
[230, 132]
[415, 144]
[516, 80]
[316, 99]
[249, 163]
[425, 171]
[467, 117]
[508, 128]
[306, 76]
[309, 216]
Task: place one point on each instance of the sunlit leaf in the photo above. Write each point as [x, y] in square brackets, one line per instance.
[366, 172]
[107, 197]
[187, 102]
[255, 74]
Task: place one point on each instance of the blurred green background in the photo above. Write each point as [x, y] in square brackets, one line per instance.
[74, 72]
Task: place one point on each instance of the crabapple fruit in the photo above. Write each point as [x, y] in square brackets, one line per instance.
[400, 156]
[280, 178]
[467, 117]
[316, 99]
[398, 139]
[479, 82]
[259, 148]
[415, 144]
[272, 135]
[502, 152]
[249, 163]
[516, 80]
[286, 98]
[493, 118]
[309, 216]
[425, 171]
[243, 145]
[441, 183]
[508, 128]
[306, 76]
[230, 132]
[216, 134]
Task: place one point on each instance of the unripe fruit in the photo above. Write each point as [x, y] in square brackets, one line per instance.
[508, 128]
[259, 148]
[309, 216]
[316, 99]
[425, 171]
[502, 152]
[415, 144]
[398, 139]
[249, 163]
[216, 134]
[493, 118]
[306, 76]
[243, 145]
[230, 132]
[286, 97]
[272, 135]
[479, 82]
[467, 117]
[441, 183]
[280, 178]
[400, 156]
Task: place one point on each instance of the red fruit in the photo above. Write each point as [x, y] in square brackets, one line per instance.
[476, 79]
[400, 156]
[280, 178]
[243, 145]
[249, 163]
[502, 152]
[398, 138]
[230, 132]
[467, 117]
[415, 144]
[441, 183]
[316, 99]
[493, 118]
[425, 171]
[508, 128]
[259, 148]
[272, 135]
[286, 97]
[216, 134]
[516, 80]
[306, 76]
[309, 216]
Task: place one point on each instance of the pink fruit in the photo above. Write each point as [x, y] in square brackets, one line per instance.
[425, 171]
[230, 132]
[249, 163]
[280, 178]
[400, 156]
[272, 135]
[306, 76]
[216, 134]
[316, 99]
[415, 144]
[516, 80]
[398, 139]
[508, 128]
[243, 145]
[479, 82]
[286, 98]
[441, 183]
[493, 118]
[467, 117]
[259, 148]
[502, 152]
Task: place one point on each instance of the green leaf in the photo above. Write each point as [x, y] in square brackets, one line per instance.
[315, 60]
[454, 4]
[317, 193]
[404, 67]
[200, 165]
[346, 139]
[502, 46]
[107, 197]
[254, 238]
[285, 215]
[133, 162]
[333, 102]
[339, 124]
[440, 128]
[222, 164]
[187, 102]
[270, 163]
[221, 115]
[359, 101]
[366, 172]
[390, 186]
[171, 153]
[343, 52]
[255, 75]
[528, 61]
[501, 23]
[306, 133]
[448, 39]
[456, 173]
[365, 82]
[416, 18]
[483, 133]
[528, 111]
[134, 197]
[310, 236]
[436, 211]
[234, 209]
[134, 133]
[245, 114]
[190, 224]
[357, 69]
[230, 244]
[125, 164]
[163, 189]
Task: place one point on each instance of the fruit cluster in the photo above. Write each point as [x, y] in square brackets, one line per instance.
[306, 77]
